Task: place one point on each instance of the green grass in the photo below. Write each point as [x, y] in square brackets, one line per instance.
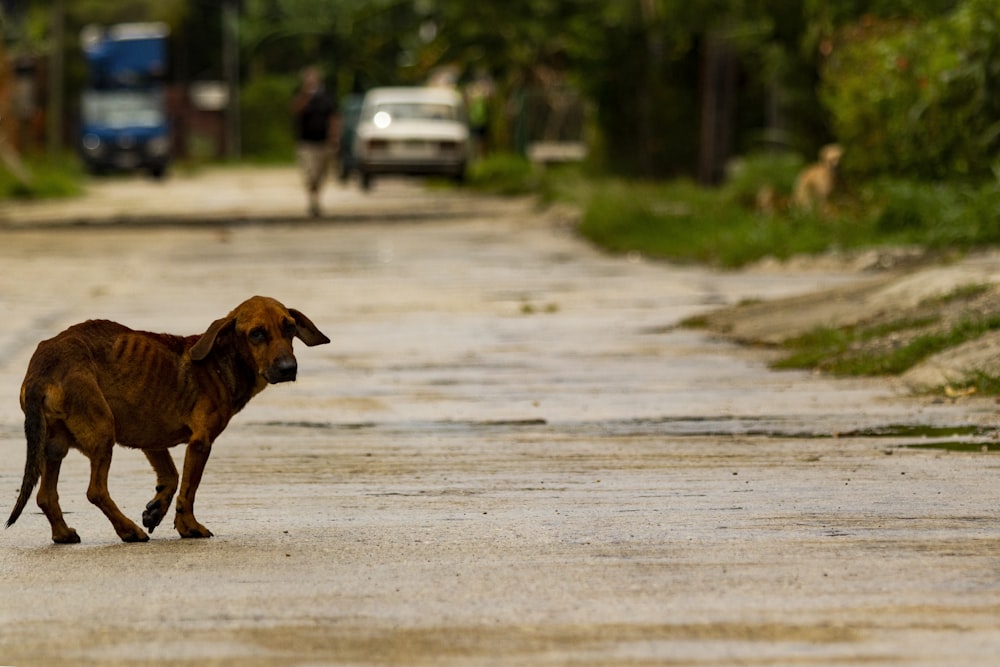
[888, 348]
[681, 221]
[503, 174]
[842, 351]
[829, 348]
[48, 178]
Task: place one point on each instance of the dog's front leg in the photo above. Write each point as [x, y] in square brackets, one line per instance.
[166, 486]
[194, 465]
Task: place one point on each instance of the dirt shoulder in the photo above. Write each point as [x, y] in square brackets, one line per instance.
[891, 310]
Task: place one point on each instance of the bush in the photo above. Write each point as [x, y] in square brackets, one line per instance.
[749, 175]
[48, 178]
[912, 207]
[939, 214]
[918, 100]
[503, 173]
[266, 123]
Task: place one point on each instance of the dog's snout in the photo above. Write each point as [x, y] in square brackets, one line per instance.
[283, 369]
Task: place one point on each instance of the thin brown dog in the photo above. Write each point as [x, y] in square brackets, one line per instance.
[98, 383]
[816, 182]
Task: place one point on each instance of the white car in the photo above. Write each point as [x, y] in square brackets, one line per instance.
[412, 131]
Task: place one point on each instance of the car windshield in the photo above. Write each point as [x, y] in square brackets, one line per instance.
[123, 109]
[416, 111]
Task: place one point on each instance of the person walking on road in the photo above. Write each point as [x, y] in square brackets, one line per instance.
[317, 133]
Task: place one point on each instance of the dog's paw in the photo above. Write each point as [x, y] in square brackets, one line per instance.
[153, 514]
[188, 527]
[197, 532]
[136, 535]
[67, 537]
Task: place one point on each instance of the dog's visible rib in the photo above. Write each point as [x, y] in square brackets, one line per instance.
[100, 383]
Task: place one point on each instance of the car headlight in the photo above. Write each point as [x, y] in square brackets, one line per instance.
[92, 144]
[158, 146]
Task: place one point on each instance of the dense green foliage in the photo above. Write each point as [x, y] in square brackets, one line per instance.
[47, 178]
[943, 214]
[265, 121]
[909, 86]
[918, 99]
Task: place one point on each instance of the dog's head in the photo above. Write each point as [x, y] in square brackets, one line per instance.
[830, 155]
[263, 329]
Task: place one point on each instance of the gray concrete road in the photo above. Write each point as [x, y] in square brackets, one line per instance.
[507, 456]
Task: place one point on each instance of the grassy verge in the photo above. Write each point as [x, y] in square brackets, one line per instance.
[504, 174]
[728, 226]
[683, 222]
[881, 350]
[893, 344]
[46, 178]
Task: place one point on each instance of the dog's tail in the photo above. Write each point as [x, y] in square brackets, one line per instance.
[34, 433]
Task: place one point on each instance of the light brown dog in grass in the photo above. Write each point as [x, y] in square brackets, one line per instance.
[816, 182]
[98, 383]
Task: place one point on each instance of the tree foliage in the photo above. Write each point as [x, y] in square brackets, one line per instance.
[918, 99]
[907, 85]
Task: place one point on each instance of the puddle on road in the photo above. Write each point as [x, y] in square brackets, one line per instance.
[958, 446]
[967, 438]
[918, 431]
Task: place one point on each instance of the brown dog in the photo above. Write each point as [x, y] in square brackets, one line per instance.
[815, 183]
[99, 382]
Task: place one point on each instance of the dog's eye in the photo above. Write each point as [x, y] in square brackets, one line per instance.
[258, 335]
[290, 329]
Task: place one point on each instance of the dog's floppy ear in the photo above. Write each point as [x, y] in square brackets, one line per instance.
[307, 331]
[204, 344]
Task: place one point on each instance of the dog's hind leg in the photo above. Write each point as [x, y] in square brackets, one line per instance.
[48, 496]
[97, 493]
[166, 486]
[92, 425]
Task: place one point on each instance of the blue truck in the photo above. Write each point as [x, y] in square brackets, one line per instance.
[123, 110]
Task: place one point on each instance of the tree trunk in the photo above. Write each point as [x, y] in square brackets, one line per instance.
[718, 107]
